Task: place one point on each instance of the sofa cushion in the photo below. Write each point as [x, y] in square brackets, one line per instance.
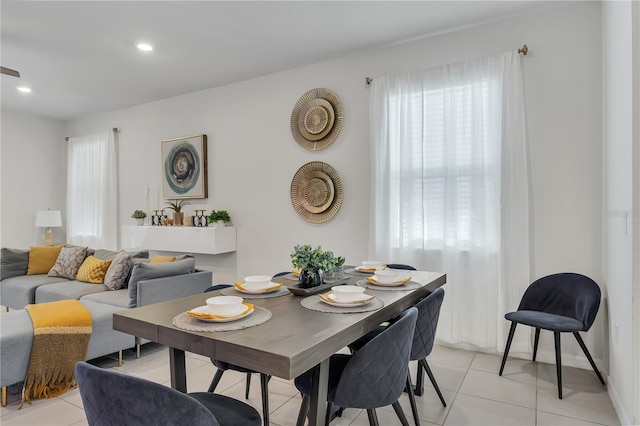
[68, 262]
[110, 254]
[13, 262]
[114, 298]
[93, 270]
[66, 290]
[42, 259]
[118, 271]
[17, 292]
[145, 271]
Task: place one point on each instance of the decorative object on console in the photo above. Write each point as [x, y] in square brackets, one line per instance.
[184, 167]
[219, 218]
[158, 217]
[316, 119]
[178, 214]
[48, 219]
[316, 192]
[139, 216]
[200, 219]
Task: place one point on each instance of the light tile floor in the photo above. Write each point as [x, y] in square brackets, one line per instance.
[526, 394]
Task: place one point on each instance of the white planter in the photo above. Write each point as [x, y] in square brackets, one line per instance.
[218, 224]
[139, 222]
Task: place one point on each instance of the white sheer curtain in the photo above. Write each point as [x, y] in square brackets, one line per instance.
[92, 191]
[450, 189]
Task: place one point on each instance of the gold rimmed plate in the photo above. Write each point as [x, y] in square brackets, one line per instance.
[329, 299]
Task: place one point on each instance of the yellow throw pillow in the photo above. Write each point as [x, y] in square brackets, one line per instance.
[42, 259]
[162, 259]
[93, 270]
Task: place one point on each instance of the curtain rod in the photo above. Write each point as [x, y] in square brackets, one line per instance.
[524, 50]
[114, 130]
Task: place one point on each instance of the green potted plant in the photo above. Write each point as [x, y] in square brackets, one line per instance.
[219, 218]
[139, 216]
[312, 262]
[178, 215]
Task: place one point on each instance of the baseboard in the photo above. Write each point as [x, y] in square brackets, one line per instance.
[576, 361]
[623, 416]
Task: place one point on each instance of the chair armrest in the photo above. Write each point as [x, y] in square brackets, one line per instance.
[162, 289]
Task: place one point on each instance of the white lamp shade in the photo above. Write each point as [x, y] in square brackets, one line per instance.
[48, 218]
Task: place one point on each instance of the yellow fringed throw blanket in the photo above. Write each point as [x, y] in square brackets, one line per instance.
[61, 332]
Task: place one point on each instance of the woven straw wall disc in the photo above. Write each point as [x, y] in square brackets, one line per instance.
[316, 192]
[316, 119]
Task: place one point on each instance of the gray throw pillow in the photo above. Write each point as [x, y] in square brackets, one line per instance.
[146, 271]
[13, 262]
[118, 271]
[68, 262]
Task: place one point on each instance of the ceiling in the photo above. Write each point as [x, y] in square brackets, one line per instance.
[79, 57]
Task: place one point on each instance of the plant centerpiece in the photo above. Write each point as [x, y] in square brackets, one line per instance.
[139, 216]
[219, 217]
[176, 206]
[312, 262]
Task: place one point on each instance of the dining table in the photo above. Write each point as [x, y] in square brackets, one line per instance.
[295, 339]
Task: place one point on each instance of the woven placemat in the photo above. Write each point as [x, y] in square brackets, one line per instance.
[315, 304]
[259, 316]
[411, 285]
[354, 271]
[231, 291]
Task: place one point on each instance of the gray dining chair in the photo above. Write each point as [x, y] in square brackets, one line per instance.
[421, 347]
[372, 377]
[563, 303]
[223, 366]
[400, 266]
[112, 398]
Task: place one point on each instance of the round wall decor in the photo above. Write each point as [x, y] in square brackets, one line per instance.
[316, 192]
[316, 119]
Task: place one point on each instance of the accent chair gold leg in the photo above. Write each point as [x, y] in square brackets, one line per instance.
[137, 350]
[120, 358]
[4, 396]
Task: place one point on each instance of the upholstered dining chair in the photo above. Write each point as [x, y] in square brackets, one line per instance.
[422, 345]
[223, 366]
[372, 377]
[112, 398]
[400, 266]
[562, 303]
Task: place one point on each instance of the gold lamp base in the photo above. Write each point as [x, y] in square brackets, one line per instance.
[48, 237]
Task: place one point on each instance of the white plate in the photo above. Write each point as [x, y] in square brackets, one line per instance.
[333, 302]
[259, 291]
[205, 309]
[365, 270]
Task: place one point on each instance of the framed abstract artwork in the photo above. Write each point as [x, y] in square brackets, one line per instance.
[184, 167]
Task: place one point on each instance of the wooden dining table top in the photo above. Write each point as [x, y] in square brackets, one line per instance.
[292, 341]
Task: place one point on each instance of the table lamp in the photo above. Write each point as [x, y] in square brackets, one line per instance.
[48, 219]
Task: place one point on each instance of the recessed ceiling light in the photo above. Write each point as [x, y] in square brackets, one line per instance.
[24, 89]
[145, 47]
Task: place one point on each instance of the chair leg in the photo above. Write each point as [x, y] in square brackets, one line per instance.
[412, 399]
[373, 418]
[264, 387]
[4, 396]
[215, 381]
[400, 413]
[419, 389]
[304, 408]
[433, 380]
[535, 343]
[247, 385]
[586, 352]
[556, 336]
[512, 330]
[327, 418]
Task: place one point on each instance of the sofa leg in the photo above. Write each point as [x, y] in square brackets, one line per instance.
[6, 308]
[120, 358]
[4, 396]
[137, 350]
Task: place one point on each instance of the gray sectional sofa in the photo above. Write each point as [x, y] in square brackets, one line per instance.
[146, 284]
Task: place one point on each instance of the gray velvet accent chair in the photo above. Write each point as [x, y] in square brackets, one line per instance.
[112, 398]
[223, 366]
[562, 303]
[373, 377]
[422, 345]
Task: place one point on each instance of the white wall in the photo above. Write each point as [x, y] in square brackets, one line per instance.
[620, 52]
[33, 176]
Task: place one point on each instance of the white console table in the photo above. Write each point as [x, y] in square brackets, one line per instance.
[187, 239]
